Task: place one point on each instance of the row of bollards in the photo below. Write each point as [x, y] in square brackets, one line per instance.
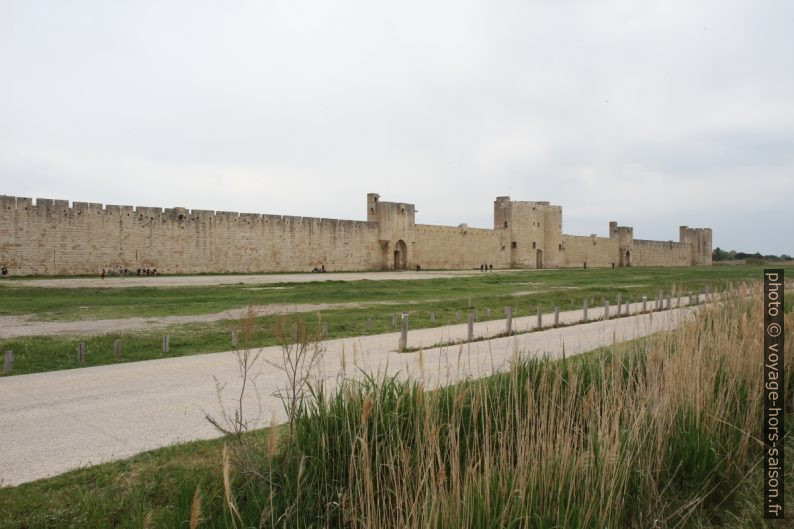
[659, 304]
[8, 357]
[622, 309]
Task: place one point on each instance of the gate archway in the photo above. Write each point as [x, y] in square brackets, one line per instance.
[400, 255]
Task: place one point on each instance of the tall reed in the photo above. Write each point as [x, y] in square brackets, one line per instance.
[655, 433]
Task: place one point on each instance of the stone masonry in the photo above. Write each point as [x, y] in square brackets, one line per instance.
[55, 238]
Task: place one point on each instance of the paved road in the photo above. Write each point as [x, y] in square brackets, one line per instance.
[57, 421]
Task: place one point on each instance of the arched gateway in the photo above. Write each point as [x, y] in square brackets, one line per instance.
[400, 255]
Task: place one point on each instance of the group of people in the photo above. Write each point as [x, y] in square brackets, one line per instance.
[4, 271]
[123, 272]
[485, 268]
[321, 269]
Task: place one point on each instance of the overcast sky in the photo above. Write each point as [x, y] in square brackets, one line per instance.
[651, 113]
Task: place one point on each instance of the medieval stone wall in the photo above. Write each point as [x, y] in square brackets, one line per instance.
[660, 253]
[460, 247]
[595, 251]
[51, 237]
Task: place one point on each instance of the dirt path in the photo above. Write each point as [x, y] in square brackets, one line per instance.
[188, 281]
[16, 326]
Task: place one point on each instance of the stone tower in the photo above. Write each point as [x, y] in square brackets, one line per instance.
[625, 237]
[396, 231]
[534, 230]
[700, 240]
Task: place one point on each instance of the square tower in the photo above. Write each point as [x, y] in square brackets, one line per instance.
[396, 231]
[534, 230]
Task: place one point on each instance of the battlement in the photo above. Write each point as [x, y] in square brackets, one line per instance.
[503, 200]
[50, 236]
[49, 206]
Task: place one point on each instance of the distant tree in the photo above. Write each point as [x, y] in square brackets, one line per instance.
[719, 254]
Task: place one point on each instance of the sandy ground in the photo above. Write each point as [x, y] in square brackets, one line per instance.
[192, 281]
[17, 326]
[28, 325]
[57, 421]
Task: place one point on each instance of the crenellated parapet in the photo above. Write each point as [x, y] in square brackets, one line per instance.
[52, 206]
[534, 229]
[700, 240]
[49, 236]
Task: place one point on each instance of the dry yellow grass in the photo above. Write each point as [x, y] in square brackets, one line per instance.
[650, 435]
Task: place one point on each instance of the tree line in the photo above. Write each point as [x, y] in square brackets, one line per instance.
[728, 255]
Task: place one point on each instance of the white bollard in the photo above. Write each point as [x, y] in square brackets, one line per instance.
[8, 363]
[403, 333]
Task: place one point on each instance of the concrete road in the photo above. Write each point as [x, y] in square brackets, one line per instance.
[57, 421]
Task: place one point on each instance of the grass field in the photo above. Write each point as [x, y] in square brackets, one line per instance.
[547, 286]
[444, 298]
[653, 433]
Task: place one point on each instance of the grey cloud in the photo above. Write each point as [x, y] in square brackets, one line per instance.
[652, 113]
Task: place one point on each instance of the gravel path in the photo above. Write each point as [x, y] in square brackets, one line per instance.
[16, 326]
[202, 280]
[57, 421]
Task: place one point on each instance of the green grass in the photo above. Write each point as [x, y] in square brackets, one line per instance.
[159, 485]
[444, 298]
[652, 433]
[560, 287]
